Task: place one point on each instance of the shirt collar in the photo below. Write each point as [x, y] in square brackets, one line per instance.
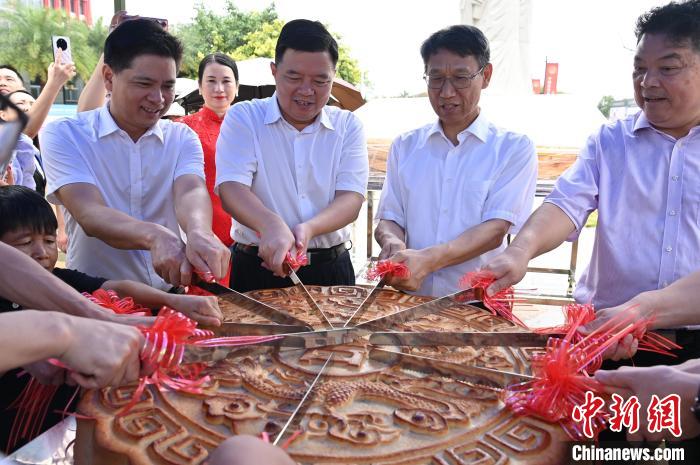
[641, 123]
[106, 125]
[479, 128]
[273, 114]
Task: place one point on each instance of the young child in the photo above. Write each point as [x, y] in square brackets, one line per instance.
[28, 224]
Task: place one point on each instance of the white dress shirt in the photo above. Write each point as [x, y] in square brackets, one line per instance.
[294, 173]
[436, 191]
[646, 187]
[135, 178]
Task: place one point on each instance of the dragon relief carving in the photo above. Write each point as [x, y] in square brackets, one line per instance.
[381, 412]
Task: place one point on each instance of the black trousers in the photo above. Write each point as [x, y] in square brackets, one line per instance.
[247, 273]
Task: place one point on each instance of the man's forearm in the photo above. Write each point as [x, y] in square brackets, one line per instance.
[389, 231]
[245, 207]
[471, 243]
[40, 109]
[192, 203]
[546, 229]
[342, 211]
[29, 336]
[118, 229]
[675, 305]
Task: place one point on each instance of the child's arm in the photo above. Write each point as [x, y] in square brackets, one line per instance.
[203, 309]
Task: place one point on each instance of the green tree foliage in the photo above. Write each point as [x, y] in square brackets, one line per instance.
[243, 35]
[26, 40]
[605, 104]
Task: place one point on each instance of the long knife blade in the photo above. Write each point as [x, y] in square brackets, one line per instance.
[466, 296]
[430, 366]
[367, 303]
[257, 329]
[252, 305]
[310, 300]
[301, 340]
[466, 338]
[303, 405]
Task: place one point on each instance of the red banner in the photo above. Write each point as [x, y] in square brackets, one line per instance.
[536, 86]
[551, 71]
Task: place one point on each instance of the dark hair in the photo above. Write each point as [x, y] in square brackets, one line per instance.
[680, 22]
[220, 58]
[22, 207]
[139, 37]
[461, 40]
[306, 36]
[14, 70]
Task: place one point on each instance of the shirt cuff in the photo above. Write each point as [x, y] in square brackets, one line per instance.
[52, 187]
[196, 171]
[390, 216]
[352, 188]
[499, 215]
[574, 235]
[240, 178]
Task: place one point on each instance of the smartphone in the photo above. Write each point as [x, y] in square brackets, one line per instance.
[161, 21]
[62, 43]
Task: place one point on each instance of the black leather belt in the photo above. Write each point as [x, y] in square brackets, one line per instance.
[314, 255]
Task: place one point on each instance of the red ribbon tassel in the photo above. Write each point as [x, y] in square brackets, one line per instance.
[297, 261]
[164, 349]
[123, 306]
[378, 270]
[578, 315]
[501, 303]
[561, 372]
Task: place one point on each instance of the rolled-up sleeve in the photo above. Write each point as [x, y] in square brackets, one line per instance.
[63, 161]
[235, 149]
[190, 158]
[576, 190]
[353, 170]
[391, 202]
[512, 193]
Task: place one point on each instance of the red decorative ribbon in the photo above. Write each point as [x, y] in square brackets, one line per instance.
[578, 315]
[123, 306]
[164, 349]
[296, 262]
[561, 372]
[377, 270]
[501, 303]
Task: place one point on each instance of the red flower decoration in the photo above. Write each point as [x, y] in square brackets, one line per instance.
[378, 270]
[501, 303]
[123, 306]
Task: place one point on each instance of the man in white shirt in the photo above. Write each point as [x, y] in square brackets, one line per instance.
[453, 188]
[291, 171]
[129, 180]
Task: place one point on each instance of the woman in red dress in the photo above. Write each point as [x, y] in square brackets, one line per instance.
[218, 84]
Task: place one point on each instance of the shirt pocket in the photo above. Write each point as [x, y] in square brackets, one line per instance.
[473, 198]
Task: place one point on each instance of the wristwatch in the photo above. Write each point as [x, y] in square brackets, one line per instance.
[696, 406]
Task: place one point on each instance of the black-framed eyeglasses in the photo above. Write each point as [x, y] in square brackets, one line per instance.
[461, 81]
[11, 125]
